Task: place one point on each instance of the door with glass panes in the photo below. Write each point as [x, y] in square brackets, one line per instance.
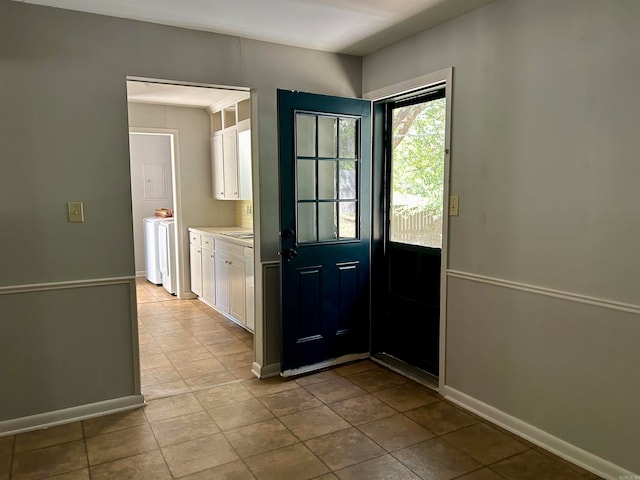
[325, 161]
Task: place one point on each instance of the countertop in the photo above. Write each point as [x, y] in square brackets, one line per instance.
[219, 232]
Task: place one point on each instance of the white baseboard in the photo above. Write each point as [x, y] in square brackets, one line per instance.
[68, 415]
[265, 371]
[555, 445]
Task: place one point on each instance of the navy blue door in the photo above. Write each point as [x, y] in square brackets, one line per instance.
[325, 208]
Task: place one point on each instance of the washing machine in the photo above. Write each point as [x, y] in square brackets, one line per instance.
[152, 249]
[167, 251]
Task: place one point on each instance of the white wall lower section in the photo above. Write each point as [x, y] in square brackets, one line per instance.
[539, 437]
[561, 365]
[65, 346]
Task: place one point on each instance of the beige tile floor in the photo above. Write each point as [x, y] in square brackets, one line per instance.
[208, 418]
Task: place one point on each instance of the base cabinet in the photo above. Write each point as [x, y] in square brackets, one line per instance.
[230, 281]
[202, 255]
[208, 276]
[237, 289]
[222, 282]
[195, 259]
[222, 275]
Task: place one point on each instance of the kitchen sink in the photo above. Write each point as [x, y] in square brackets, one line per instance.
[239, 235]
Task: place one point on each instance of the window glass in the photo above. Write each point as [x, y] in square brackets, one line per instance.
[327, 139]
[327, 226]
[306, 179]
[347, 220]
[307, 222]
[417, 174]
[347, 184]
[305, 135]
[348, 135]
[327, 179]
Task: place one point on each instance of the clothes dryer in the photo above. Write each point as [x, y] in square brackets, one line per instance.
[152, 249]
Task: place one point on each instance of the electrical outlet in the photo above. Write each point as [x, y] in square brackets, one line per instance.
[76, 212]
[453, 205]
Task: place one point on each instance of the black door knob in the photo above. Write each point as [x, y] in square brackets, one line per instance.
[289, 254]
[289, 233]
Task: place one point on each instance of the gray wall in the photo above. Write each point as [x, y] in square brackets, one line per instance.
[544, 157]
[64, 348]
[64, 137]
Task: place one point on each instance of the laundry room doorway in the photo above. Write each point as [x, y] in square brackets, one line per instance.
[188, 344]
[151, 160]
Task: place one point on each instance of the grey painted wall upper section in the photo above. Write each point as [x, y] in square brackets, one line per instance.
[64, 127]
[544, 142]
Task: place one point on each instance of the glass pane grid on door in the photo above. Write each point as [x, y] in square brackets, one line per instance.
[326, 178]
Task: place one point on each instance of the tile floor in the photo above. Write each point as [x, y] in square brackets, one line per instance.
[208, 418]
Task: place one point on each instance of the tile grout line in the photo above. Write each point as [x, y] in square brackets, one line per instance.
[13, 454]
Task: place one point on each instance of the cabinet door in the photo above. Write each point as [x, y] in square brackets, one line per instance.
[244, 165]
[217, 157]
[222, 281]
[237, 288]
[208, 276]
[195, 257]
[229, 145]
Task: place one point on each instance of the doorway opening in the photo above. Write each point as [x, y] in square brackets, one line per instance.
[188, 344]
[411, 163]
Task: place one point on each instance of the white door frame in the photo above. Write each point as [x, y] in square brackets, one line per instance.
[423, 82]
[175, 172]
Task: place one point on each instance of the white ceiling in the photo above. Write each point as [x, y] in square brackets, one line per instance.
[357, 27]
[185, 96]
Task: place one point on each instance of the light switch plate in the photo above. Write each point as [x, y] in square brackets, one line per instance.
[76, 212]
[453, 205]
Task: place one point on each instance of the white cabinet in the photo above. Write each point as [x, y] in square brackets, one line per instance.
[208, 276]
[230, 280]
[244, 165]
[230, 163]
[202, 256]
[217, 157]
[222, 275]
[222, 282]
[231, 157]
[195, 257]
[237, 289]
[231, 148]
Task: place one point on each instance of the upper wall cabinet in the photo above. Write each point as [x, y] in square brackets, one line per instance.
[231, 151]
